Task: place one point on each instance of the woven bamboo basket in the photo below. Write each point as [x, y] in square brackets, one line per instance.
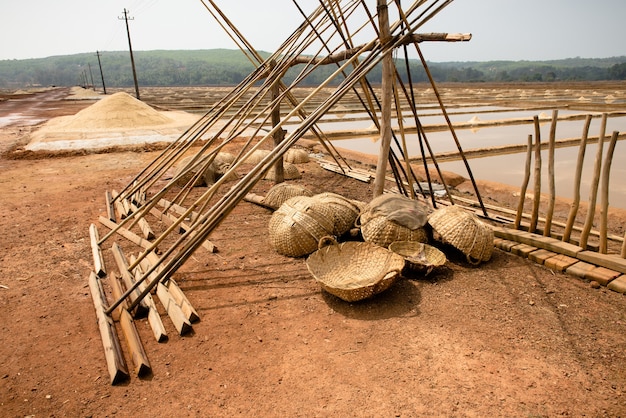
[296, 156]
[352, 270]
[297, 226]
[281, 192]
[290, 172]
[419, 257]
[381, 231]
[208, 176]
[345, 211]
[464, 231]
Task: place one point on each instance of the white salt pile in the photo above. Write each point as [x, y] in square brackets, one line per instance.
[116, 120]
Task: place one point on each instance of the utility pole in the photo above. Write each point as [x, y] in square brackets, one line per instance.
[130, 47]
[101, 73]
[93, 86]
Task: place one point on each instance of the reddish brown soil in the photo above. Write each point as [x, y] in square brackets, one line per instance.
[509, 338]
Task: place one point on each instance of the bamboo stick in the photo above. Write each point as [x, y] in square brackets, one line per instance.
[118, 372]
[547, 230]
[186, 246]
[522, 197]
[604, 192]
[577, 178]
[133, 341]
[96, 251]
[593, 192]
[537, 178]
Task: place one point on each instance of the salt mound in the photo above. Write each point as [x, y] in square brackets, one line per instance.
[116, 120]
[475, 119]
[120, 110]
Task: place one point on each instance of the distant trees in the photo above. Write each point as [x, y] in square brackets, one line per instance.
[229, 67]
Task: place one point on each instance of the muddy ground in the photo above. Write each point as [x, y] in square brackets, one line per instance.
[509, 338]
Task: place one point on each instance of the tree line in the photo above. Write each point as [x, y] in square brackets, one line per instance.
[220, 67]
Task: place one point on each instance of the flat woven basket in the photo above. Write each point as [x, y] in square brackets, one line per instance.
[353, 270]
[281, 192]
[345, 211]
[381, 231]
[297, 226]
[419, 257]
[464, 231]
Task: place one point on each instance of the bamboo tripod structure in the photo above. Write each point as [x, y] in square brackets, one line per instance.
[253, 109]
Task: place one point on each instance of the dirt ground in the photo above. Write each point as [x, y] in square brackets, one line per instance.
[509, 338]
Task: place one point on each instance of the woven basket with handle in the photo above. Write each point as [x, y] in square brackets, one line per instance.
[353, 270]
[296, 227]
[463, 230]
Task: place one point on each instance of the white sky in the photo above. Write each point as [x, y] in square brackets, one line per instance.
[501, 29]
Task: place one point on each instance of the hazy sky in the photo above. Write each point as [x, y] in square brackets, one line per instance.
[501, 29]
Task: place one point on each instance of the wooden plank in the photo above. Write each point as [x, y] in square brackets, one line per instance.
[355, 174]
[170, 219]
[182, 301]
[618, 285]
[181, 323]
[110, 209]
[118, 372]
[536, 240]
[129, 235]
[121, 209]
[610, 261]
[96, 251]
[133, 341]
[122, 264]
[181, 210]
[143, 224]
[154, 318]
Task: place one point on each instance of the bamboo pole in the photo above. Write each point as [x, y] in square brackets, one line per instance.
[547, 230]
[593, 192]
[604, 192]
[537, 191]
[387, 93]
[210, 219]
[577, 178]
[524, 187]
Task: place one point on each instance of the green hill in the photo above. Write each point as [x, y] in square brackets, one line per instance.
[229, 67]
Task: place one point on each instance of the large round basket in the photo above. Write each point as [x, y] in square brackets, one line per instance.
[297, 226]
[281, 192]
[353, 270]
[463, 230]
[419, 257]
[381, 231]
[345, 211]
